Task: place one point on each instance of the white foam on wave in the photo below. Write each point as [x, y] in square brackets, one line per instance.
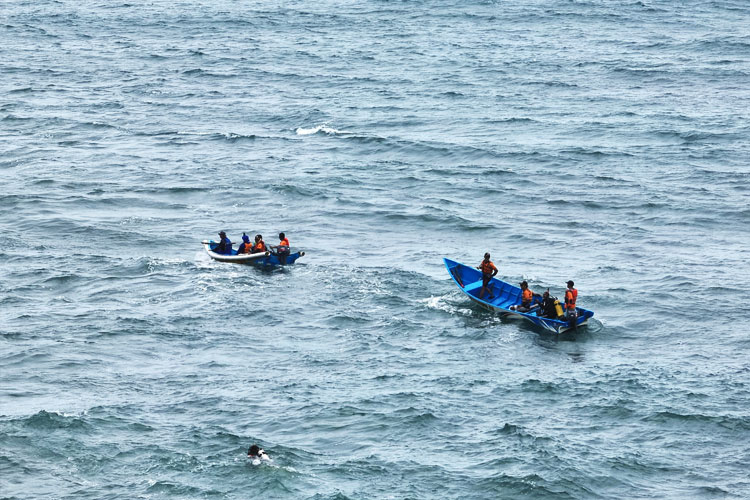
[441, 303]
[68, 415]
[226, 135]
[201, 260]
[188, 132]
[320, 128]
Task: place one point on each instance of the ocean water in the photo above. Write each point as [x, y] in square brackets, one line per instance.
[603, 141]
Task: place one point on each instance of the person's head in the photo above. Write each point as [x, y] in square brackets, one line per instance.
[254, 450]
[222, 234]
[524, 285]
[570, 283]
[257, 238]
[245, 238]
[546, 294]
[281, 236]
[487, 256]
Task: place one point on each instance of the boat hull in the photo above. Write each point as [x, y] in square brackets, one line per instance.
[264, 259]
[504, 295]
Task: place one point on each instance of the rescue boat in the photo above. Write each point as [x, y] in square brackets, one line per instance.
[263, 259]
[504, 295]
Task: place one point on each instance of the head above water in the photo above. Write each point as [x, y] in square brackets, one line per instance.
[253, 451]
[245, 238]
[487, 256]
[546, 293]
[524, 284]
[222, 234]
[570, 283]
[258, 237]
[282, 236]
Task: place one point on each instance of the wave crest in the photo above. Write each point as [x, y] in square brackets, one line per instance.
[325, 129]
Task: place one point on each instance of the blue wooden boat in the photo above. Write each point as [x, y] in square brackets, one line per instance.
[262, 259]
[504, 295]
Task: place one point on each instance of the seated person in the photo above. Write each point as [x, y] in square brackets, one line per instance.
[259, 246]
[527, 297]
[283, 246]
[245, 246]
[548, 309]
[224, 246]
[282, 249]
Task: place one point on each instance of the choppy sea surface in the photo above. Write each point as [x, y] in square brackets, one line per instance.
[602, 141]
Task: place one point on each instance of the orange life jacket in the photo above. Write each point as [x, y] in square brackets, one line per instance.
[487, 267]
[260, 247]
[526, 296]
[244, 248]
[571, 295]
[284, 242]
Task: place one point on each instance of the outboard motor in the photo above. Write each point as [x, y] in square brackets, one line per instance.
[282, 253]
[573, 319]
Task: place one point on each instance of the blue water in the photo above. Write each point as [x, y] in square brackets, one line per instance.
[602, 141]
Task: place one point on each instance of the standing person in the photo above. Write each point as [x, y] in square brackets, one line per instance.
[224, 246]
[571, 295]
[488, 272]
[259, 246]
[245, 246]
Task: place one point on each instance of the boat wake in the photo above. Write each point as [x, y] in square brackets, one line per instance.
[442, 303]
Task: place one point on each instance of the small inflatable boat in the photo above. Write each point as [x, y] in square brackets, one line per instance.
[264, 259]
[504, 295]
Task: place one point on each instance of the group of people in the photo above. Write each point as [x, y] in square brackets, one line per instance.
[545, 305]
[246, 247]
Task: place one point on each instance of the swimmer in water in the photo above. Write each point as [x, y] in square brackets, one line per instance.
[256, 454]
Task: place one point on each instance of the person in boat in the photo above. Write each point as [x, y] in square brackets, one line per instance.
[527, 299]
[488, 272]
[282, 249]
[225, 245]
[547, 306]
[283, 245]
[256, 453]
[259, 245]
[571, 296]
[245, 246]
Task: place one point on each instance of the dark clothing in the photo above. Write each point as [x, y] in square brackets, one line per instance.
[571, 315]
[224, 246]
[486, 277]
[548, 308]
